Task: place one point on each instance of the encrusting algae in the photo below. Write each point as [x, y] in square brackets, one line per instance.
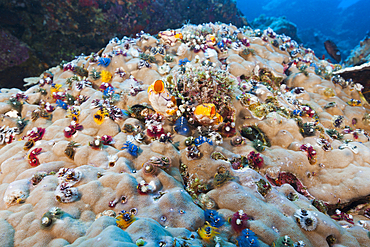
[207, 135]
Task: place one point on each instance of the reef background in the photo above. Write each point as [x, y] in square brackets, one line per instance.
[345, 22]
[38, 34]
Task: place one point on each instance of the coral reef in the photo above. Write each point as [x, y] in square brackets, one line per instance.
[360, 54]
[357, 74]
[357, 65]
[205, 135]
[279, 24]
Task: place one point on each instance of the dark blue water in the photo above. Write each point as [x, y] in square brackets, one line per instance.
[345, 22]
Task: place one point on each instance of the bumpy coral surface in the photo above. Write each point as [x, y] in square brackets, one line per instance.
[206, 135]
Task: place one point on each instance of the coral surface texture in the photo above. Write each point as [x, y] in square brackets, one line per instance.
[206, 135]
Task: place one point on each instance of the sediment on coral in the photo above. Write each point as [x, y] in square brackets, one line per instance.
[203, 135]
